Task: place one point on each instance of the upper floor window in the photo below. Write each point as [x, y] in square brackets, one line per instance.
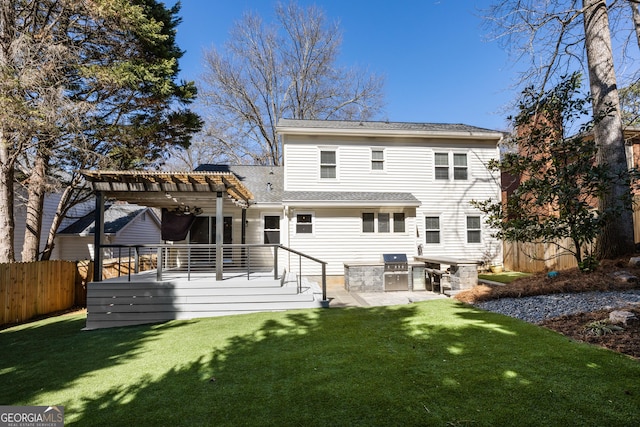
[304, 224]
[442, 165]
[473, 229]
[377, 160]
[328, 164]
[460, 166]
[432, 229]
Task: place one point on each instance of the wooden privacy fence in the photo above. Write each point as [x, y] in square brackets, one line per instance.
[536, 257]
[29, 289]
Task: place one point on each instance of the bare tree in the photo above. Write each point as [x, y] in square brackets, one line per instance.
[559, 36]
[288, 69]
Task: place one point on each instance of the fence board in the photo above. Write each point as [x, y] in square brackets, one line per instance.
[35, 288]
[531, 257]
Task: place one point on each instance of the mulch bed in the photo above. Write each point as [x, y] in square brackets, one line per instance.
[626, 341]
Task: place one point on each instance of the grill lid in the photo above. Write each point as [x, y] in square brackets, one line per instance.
[394, 258]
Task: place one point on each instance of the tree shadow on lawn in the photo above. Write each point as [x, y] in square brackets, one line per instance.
[431, 363]
[53, 354]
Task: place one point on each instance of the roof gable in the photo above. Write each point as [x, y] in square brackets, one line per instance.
[116, 218]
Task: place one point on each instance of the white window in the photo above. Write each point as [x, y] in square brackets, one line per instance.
[442, 165]
[304, 223]
[328, 164]
[460, 166]
[398, 222]
[368, 222]
[383, 223]
[432, 229]
[271, 229]
[377, 159]
[473, 229]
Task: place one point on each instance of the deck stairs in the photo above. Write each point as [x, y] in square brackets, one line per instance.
[141, 299]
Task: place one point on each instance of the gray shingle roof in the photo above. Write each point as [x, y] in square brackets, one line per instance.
[256, 179]
[350, 197]
[384, 126]
[116, 217]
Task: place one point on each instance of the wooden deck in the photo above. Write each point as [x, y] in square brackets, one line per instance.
[120, 302]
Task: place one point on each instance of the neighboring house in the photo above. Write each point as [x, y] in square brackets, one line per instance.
[124, 224]
[49, 208]
[348, 192]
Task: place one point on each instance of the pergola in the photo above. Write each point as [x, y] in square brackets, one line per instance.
[171, 190]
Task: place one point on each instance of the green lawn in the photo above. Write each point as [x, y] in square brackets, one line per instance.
[432, 363]
[504, 277]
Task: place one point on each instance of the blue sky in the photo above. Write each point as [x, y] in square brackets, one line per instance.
[433, 54]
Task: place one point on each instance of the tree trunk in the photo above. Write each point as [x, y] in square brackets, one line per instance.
[6, 162]
[6, 202]
[616, 238]
[35, 202]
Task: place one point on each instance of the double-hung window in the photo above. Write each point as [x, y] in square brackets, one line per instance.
[432, 229]
[442, 165]
[474, 234]
[271, 229]
[304, 224]
[328, 164]
[459, 166]
[377, 160]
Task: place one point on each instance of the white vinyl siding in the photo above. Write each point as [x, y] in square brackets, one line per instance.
[408, 168]
[338, 238]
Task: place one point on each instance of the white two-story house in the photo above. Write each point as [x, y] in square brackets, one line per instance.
[355, 190]
[347, 192]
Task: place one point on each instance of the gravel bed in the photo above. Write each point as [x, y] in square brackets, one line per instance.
[535, 309]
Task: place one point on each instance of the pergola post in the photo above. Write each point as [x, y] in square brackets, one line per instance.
[219, 235]
[98, 232]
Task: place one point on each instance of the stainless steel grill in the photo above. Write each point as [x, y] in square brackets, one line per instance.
[396, 272]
